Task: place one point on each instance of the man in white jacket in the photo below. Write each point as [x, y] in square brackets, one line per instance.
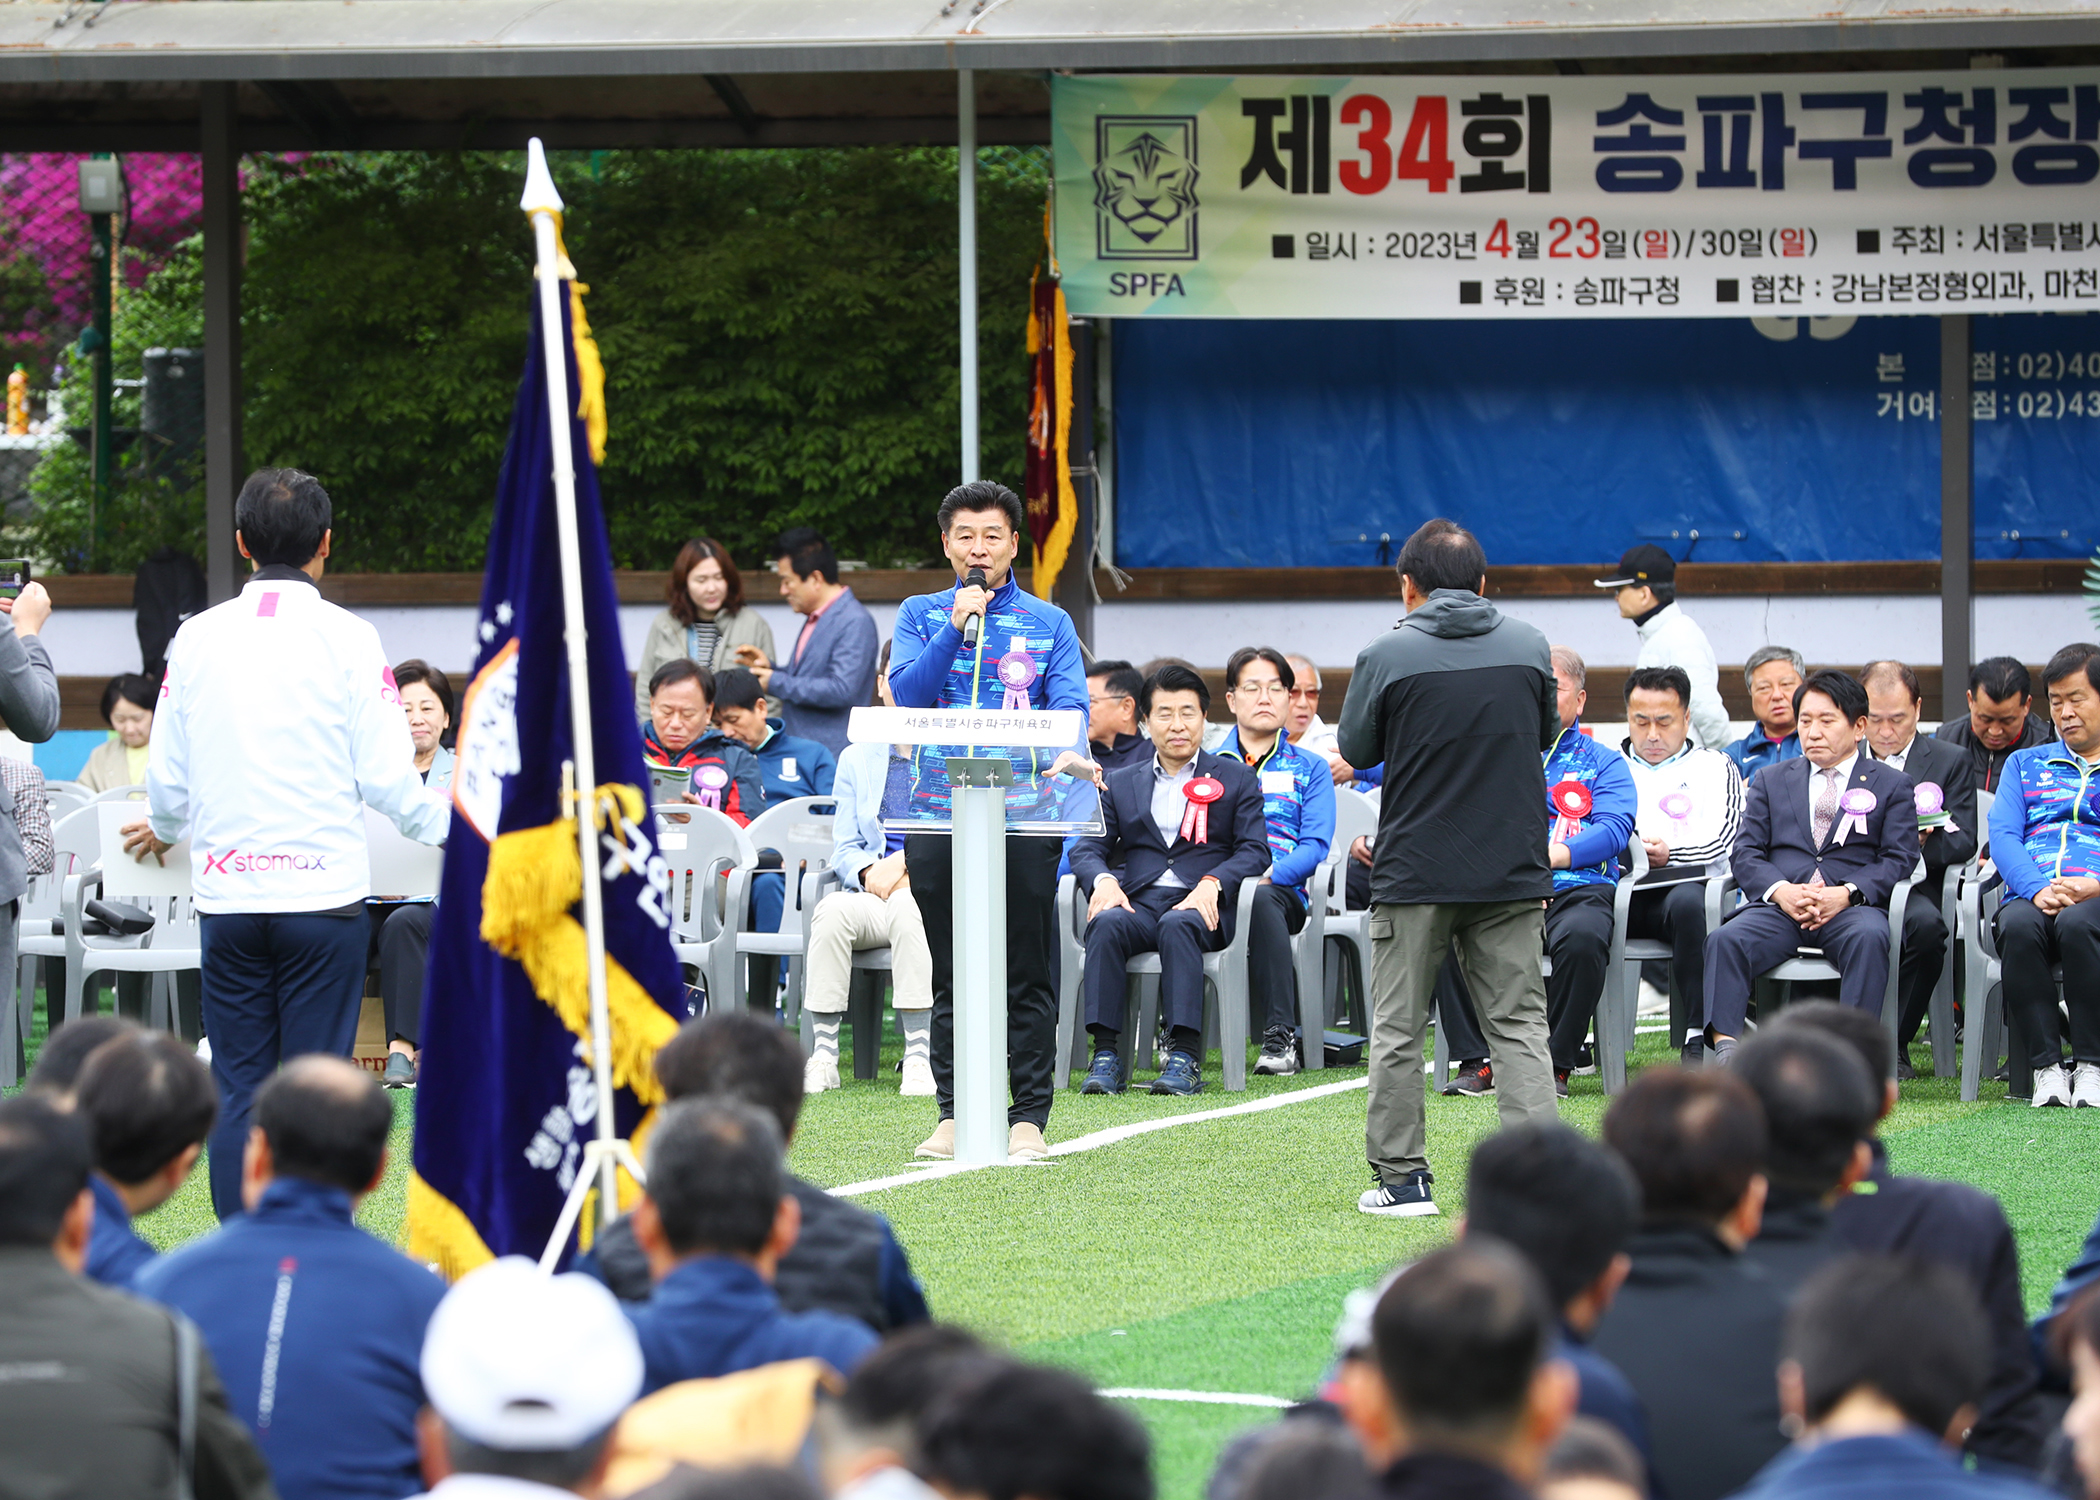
[1691, 804]
[1646, 588]
[278, 721]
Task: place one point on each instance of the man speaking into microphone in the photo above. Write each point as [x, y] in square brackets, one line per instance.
[971, 647]
[279, 721]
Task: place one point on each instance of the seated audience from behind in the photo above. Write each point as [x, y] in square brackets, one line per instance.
[316, 1325]
[1032, 1432]
[150, 1105]
[1772, 674]
[1464, 1340]
[1820, 1108]
[401, 925]
[127, 708]
[874, 908]
[1948, 1222]
[714, 1224]
[66, 1051]
[1588, 836]
[2075, 1343]
[1297, 795]
[867, 1439]
[527, 1376]
[789, 766]
[2045, 840]
[1826, 839]
[1569, 1207]
[1694, 1327]
[845, 1259]
[1691, 807]
[1180, 833]
[1947, 838]
[88, 1407]
[2000, 720]
[1297, 1459]
[1592, 1461]
[1881, 1365]
[680, 735]
[1112, 689]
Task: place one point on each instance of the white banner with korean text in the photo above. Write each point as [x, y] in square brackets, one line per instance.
[1561, 197]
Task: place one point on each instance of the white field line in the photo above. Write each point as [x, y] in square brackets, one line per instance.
[1207, 1398]
[1111, 1136]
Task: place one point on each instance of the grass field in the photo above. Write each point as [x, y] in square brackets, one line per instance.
[1214, 1256]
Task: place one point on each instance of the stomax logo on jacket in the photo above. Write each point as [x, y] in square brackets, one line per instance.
[236, 862]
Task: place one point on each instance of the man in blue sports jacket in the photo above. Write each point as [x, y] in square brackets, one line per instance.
[150, 1105]
[2045, 838]
[1180, 833]
[981, 527]
[316, 1327]
[1297, 793]
[1589, 834]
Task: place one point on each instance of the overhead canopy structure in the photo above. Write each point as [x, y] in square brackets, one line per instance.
[440, 74]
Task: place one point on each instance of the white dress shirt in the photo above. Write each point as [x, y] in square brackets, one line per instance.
[1900, 756]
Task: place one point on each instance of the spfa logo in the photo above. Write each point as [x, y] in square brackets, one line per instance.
[1145, 187]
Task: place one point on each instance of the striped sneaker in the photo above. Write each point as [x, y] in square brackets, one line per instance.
[1407, 1199]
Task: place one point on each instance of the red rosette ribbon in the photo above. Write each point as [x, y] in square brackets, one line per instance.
[1571, 804]
[1201, 792]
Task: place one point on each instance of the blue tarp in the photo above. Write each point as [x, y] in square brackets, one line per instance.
[1296, 444]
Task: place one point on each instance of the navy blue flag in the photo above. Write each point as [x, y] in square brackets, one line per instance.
[507, 1096]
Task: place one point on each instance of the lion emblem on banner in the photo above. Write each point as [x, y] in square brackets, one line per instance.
[1146, 187]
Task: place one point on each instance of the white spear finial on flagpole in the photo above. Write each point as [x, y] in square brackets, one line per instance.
[606, 1152]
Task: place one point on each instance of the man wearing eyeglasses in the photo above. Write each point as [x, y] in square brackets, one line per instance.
[1297, 794]
[1112, 716]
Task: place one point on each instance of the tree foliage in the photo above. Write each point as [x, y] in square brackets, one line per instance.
[779, 332]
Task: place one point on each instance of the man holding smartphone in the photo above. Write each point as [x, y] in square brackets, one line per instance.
[279, 721]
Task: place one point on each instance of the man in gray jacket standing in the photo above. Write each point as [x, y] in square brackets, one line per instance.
[1458, 703]
[29, 707]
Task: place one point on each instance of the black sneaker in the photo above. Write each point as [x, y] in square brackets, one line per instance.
[1407, 1199]
[400, 1071]
[1181, 1076]
[1474, 1076]
[1693, 1053]
[1279, 1052]
[1106, 1075]
[1560, 1082]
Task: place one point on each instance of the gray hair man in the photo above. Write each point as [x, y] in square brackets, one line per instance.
[1771, 676]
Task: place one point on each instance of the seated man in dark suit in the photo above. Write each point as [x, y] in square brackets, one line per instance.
[1826, 840]
[1946, 837]
[1181, 831]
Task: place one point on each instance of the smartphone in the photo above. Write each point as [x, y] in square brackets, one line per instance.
[14, 577]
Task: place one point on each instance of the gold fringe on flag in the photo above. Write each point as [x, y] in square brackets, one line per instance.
[440, 1234]
[590, 365]
[535, 876]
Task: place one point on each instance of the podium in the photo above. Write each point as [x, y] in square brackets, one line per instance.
[983, 775]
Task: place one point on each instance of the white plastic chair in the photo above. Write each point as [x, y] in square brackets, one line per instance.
[120, 794]
[40, 934]
[799, 831]
[1954, 969]
[65, 797]
[1355, 816]
[703, 849]
[174, 946]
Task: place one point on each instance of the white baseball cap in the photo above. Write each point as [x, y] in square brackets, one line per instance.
[520, 1361]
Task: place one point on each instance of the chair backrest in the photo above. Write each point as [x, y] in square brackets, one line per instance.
[799, 830]
[698, 851]
[121, 794]
[64, 796]
[76, 840]
[1984, 800]
[1355, 817]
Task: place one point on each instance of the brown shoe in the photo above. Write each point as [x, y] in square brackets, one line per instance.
[1024, 1142]
[940, 1146]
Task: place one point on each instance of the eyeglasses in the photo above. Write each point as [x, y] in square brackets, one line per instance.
[1262, 690]
[1304, 695]
[1108, 698]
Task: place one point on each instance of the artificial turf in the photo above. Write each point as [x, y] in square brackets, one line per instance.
[1215, 1256]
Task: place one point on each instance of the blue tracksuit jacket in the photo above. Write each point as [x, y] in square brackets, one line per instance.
[1593, 853]
[1297, 801]
[715, 1315]
[116, 1254]
[2046, 821]
[317, 1330]
[790, 766]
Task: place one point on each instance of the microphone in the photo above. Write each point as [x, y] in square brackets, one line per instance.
[974, 625]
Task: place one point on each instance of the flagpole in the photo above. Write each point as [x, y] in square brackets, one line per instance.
[541, 203]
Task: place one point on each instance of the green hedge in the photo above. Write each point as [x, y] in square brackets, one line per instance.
[779, 333]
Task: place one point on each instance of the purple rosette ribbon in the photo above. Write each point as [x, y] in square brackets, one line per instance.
[708, 782]
[1855, 805]
[1017, 673]
[1932, 801]
[1677, 807]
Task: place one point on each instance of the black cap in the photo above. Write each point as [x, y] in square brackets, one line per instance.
[1642, 567]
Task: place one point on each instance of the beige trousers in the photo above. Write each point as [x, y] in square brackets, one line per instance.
[846, 922]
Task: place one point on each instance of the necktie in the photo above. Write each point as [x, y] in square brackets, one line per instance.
[1826, 805]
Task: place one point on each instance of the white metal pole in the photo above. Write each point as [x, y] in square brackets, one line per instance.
[966, 232]
[542, 202]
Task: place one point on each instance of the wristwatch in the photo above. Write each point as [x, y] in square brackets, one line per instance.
[1858, 896]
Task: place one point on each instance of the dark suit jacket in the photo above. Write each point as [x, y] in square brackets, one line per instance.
[1130, 848]
[1947, 766]
[1775, 842]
